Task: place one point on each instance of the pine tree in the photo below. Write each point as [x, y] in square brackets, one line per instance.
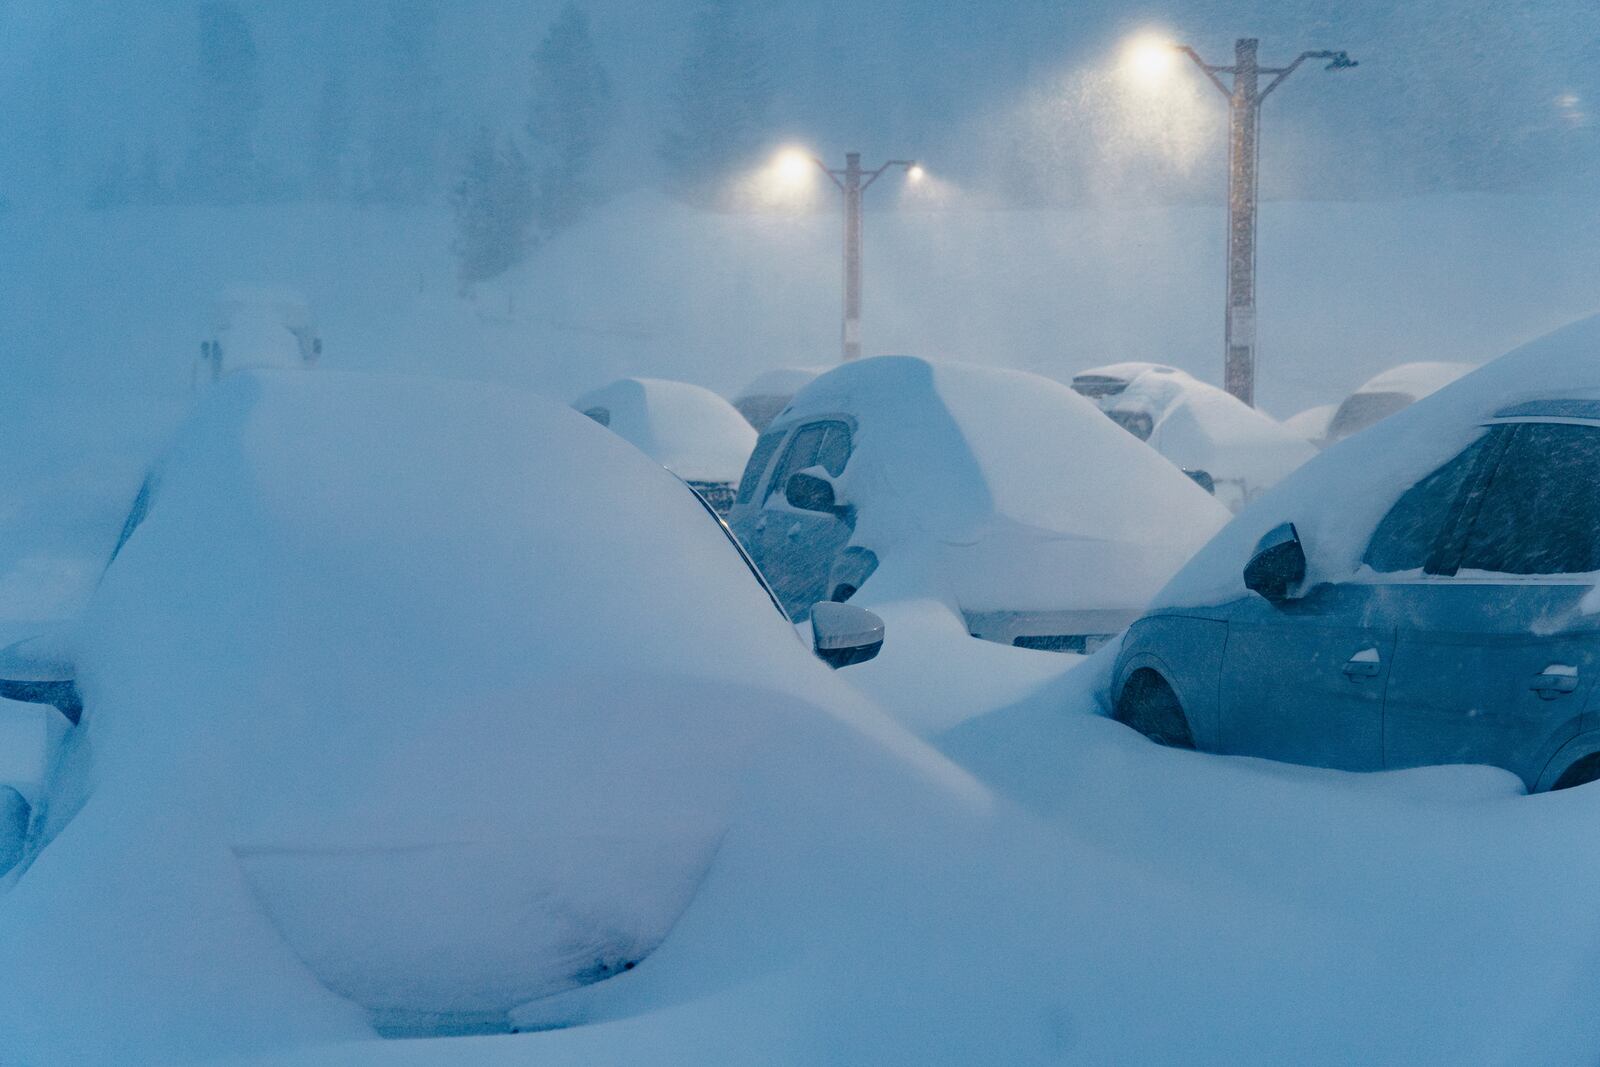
[494, 210]
[721, 101]
[569, 119]
[223, 165]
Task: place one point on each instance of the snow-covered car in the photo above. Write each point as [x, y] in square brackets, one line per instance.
[1312, 423]
[762, 400]
[424, 734]
[1423, 593]
[691, 431]
[1393, 390]
[258, 327]
[1000, 493]
[1217, 437]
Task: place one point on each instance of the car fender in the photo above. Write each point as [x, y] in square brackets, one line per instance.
[1585, 744]
[1186, 650]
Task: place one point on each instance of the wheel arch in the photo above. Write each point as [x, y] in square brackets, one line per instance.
[1575, 749]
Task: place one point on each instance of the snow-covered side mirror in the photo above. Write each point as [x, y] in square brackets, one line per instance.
[1278, 563]
[808, 492]
[843, 634]
[40, 671]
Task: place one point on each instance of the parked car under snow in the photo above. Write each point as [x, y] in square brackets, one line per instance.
[1218, 438]
[1423, 593]
[691, 431]
[1384, 394]
[1000, 493]
[447, 729]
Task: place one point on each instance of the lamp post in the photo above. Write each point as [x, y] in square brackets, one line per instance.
[1244, 123]
[853, 181]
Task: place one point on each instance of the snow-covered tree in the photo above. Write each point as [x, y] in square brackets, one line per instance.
[721, 101]
[223, 166]
[493, 203]
[569, 118]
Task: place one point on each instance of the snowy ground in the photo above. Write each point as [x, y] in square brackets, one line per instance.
[1126, 904]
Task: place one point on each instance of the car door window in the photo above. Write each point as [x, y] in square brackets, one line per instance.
[757, 465]
[835, 450]
[817, 444]
[1409, 534]
[1539, 513]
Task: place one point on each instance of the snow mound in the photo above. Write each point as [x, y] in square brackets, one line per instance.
[426, 731]
[691, 431]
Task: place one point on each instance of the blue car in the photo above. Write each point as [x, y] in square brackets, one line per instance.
[1361, 623]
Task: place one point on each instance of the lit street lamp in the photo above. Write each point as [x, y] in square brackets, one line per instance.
[1244, 115]
[852, 181]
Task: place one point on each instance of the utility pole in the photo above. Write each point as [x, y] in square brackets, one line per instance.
[853, 182]
[1244, 126]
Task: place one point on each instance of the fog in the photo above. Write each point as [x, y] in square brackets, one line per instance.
[553, 195]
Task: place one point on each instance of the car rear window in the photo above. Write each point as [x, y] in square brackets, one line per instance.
[1540, 512]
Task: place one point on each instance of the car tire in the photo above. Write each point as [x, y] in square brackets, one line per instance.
[1581, 772]
[1148, 704]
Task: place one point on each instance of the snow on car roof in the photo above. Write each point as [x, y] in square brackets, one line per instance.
[689, 430]
[1337, 499]
[1415, 380]
[953, 455]
[1200, 427]
[1312, 423]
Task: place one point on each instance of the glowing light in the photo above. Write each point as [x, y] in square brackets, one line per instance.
[1149, 60]
[794, 167]
[915, 172]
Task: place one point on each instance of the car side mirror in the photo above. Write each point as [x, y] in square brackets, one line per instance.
[1203, 479]
[807, 492]
[1278, 564]
[843, 634]
[40, 671]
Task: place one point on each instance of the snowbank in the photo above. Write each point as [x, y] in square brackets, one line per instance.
[378, 735]
[691, 431]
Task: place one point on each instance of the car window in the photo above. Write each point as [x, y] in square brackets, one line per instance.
[1361, 410]
[757, 465]
[1138, 423]
[835, 450]
[1540, 512]
[804, 447]
[1408, 534]
[600, 415]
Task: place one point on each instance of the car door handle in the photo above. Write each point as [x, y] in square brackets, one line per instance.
[1556, 680]
[795, 531]
[761, 524]
[1364, 664]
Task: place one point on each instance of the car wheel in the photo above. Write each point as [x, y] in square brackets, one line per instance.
[1581, 772]
[1149, 705]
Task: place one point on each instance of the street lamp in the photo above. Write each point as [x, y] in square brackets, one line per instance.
[852, 180]
[1244, 115]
